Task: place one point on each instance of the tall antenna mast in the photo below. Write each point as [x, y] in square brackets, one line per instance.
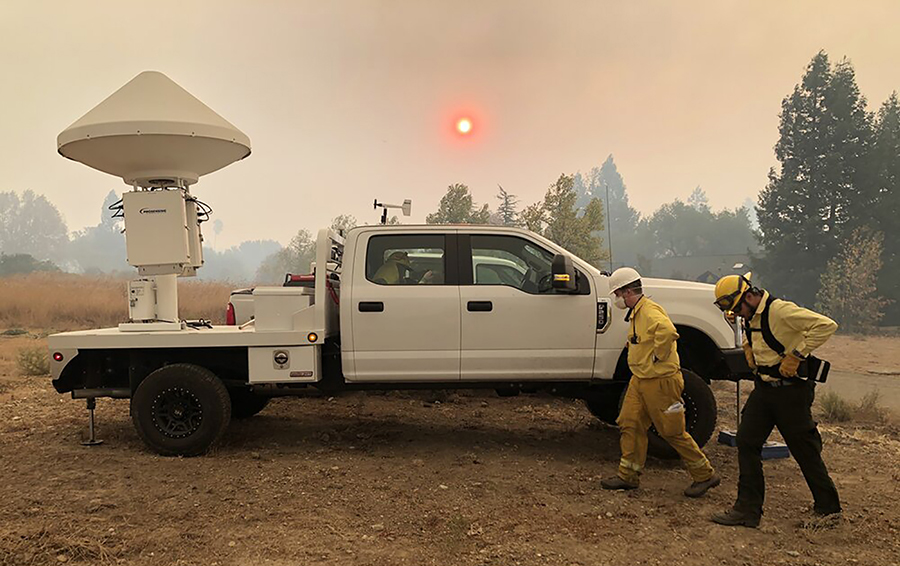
[608, 226]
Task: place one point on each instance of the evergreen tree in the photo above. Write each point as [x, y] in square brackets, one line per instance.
[887, 206]
[557, 219]
[584, 188]
[698, 199]
[816, 198]
[749, 205]
[107, 219]
[99, 248]
[606, 184]
[457, 207]
[507, 213]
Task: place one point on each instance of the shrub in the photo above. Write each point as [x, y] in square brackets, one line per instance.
[16, 264]
[33, 361]
[14, 332]
[835, 408]
[870, 406]
[848, 291]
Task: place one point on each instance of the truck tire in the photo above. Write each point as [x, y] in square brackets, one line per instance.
[245, 403]
[700, 413]
[605, 403]
[181, 410]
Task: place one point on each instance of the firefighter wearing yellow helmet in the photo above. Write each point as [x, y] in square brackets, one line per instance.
[777, 336]
[654, 392]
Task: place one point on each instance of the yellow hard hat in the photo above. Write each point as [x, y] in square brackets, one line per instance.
[400, 257]
[730, 290]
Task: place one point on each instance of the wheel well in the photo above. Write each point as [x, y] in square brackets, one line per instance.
[700, 354]
[623, 372]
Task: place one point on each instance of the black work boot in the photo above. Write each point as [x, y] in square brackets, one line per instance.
[616, 482]
[699, 488]
[735, 518]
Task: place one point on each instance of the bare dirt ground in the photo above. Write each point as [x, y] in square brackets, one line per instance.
[399, 479]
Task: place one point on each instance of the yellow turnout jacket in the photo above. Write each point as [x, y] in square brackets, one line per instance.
[652, 341]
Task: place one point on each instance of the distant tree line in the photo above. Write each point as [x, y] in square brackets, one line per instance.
[573, 213]
[34, 237]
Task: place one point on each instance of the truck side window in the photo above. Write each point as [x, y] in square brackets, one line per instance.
[511, 261]
[408, 259]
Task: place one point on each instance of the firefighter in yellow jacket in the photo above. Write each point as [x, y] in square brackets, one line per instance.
[654, 392]
[778, 335]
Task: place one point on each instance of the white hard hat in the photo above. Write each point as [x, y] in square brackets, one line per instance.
[622, 277]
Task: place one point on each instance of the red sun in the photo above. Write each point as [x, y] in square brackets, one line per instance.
[464, 126]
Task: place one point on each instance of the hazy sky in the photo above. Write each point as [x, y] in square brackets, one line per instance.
[348, 101]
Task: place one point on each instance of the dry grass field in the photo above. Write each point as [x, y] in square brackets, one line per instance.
[397, 478]
[62, 301]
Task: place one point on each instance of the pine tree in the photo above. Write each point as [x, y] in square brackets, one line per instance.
[887, 206]
[508, 215]
[817, 197]
[108, 220]
[698, 199]
[557, 218]
[606, 184]
[457, 207]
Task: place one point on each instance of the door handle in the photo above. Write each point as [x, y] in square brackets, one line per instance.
[371, 306]
[480, 306]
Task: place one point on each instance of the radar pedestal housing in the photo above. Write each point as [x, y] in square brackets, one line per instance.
[159, 139]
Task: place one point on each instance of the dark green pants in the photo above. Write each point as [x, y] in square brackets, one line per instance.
[789, 408]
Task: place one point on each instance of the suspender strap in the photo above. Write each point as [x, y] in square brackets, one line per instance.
[766, 330]
[770, 339]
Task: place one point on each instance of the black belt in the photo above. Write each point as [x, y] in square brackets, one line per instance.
[778, 383]
[772, 371]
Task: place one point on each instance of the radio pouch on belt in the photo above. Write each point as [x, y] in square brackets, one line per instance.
[812, 367]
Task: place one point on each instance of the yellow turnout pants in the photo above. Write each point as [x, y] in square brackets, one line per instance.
[656, 401]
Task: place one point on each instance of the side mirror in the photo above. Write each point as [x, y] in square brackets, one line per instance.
[564, 274]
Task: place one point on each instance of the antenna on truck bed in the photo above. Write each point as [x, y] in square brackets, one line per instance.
[406, 207]
[160, 140]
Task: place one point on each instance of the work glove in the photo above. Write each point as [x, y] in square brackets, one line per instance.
[789, 365]
[748, 353]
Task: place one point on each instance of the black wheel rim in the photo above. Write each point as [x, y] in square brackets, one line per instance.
[177, 413]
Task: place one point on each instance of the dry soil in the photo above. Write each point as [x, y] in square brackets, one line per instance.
[459, 479]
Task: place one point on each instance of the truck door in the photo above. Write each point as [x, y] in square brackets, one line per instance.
[405, 311]
[514, 325]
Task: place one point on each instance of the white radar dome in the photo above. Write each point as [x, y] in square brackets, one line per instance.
[152, 132]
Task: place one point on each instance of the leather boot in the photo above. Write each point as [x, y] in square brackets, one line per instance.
[616, 482]
[734, 518]
[699, 488]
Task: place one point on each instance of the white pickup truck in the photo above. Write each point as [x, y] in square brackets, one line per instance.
[465, 307]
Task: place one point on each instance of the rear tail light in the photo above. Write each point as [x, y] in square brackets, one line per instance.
[291, 280]
[229, 315]
[57, 356]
